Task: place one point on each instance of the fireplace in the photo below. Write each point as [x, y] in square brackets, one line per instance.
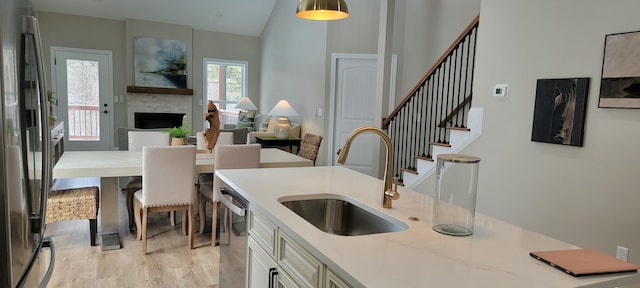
[157, 120]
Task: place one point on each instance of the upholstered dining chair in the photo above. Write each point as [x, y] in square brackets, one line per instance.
[225, 138]
[167, 185]
[227, 157]
[310, 146]
[137, 140]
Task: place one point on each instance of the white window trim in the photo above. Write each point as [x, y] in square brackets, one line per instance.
[206, 61]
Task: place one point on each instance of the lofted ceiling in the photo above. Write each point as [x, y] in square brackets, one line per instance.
[244, 17]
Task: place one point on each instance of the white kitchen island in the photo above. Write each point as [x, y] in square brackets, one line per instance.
[496, 255]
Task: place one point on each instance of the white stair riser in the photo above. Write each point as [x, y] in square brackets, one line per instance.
[458, 141]
[424, 165]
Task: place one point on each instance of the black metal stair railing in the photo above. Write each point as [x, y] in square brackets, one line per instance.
[439, 102]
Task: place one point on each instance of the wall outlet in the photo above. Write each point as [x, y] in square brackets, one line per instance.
[622, 253]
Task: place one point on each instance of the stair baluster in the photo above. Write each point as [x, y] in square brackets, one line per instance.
[440, 100]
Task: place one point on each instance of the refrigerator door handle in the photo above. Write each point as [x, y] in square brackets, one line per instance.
[46, 242]
[44, 120]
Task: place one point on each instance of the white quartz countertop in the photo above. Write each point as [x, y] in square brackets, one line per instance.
[496, 255]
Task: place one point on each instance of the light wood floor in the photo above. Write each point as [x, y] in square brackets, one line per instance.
[169, 262]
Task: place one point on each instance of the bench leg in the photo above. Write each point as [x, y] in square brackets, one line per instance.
[93, 230]
[129, 194]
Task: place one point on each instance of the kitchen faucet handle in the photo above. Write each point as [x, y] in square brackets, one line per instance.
[393, 193]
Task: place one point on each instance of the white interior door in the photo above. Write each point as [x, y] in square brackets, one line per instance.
[354, 106]
[83, 87]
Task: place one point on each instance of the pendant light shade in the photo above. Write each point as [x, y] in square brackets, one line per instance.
[322, 9]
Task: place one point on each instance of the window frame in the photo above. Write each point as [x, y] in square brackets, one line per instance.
[205, 63]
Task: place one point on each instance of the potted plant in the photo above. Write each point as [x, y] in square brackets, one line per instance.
[179, 134]
[52, 101]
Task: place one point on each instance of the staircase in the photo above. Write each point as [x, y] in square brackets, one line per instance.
[436, 116]
[458, 140]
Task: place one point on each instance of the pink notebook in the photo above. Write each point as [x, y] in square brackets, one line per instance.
[582, 262]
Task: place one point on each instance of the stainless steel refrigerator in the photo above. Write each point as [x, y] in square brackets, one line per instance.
[25, 155]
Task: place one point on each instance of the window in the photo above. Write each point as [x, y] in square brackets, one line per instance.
[225, 84]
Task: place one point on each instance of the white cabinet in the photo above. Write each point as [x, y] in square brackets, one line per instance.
[298, 263]
[263, 271]
[276, 260]
[259, 266]
[333, 281]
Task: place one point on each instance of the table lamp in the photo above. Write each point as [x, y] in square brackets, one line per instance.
[246, 115]
[282, 110]
[246, 104]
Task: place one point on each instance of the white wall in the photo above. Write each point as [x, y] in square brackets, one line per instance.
[423, 30]
[72, 31]
[293, 65]
[216, 45]
[588, 195]
[114, 35]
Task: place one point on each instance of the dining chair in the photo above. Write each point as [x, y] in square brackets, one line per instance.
[227, 157]
[225, 138]
[310, 146]
[137, 140]
[167, 185]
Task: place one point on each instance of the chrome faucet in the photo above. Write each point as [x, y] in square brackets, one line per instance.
[389, 193]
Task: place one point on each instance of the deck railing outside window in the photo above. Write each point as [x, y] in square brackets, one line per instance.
[84, 122]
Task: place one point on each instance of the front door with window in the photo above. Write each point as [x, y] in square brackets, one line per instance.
[83, 87]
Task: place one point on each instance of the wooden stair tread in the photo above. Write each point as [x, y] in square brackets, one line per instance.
[440, 144]
[459, 128]
[424, 158]
[410, 171]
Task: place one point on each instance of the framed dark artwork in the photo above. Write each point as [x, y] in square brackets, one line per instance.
[620, 83]
[560, 109]
[160, 62]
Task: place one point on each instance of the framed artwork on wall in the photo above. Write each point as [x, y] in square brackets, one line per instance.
[160, 62]
[559, 112]
[620, 83]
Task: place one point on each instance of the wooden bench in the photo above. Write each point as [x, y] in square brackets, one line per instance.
[74, 199]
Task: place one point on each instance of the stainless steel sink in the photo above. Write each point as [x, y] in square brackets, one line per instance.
[335, 214]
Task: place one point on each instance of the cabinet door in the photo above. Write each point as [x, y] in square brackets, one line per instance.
[259, 266]
[285, 281]
[262, 231]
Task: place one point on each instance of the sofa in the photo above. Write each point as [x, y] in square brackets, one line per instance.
[265, 125]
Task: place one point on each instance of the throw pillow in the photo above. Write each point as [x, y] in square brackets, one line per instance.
[295, 131]
[246, 119]
[265, 124]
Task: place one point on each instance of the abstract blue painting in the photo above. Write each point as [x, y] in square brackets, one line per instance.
[160, 62]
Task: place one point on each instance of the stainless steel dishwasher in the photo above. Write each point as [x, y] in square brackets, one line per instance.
[233, 240]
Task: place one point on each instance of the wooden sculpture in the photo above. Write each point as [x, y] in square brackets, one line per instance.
[211, 135]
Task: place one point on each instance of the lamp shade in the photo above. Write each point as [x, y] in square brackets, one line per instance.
[322, 9]
[283, 109]
[246, 104]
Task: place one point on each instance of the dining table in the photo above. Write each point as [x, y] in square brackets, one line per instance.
[110, 165]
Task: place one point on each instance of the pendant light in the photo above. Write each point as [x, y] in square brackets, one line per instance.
[322, 9]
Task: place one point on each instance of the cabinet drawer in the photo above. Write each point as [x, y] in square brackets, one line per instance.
[305, 269]
[263, 232]
[334, 281]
